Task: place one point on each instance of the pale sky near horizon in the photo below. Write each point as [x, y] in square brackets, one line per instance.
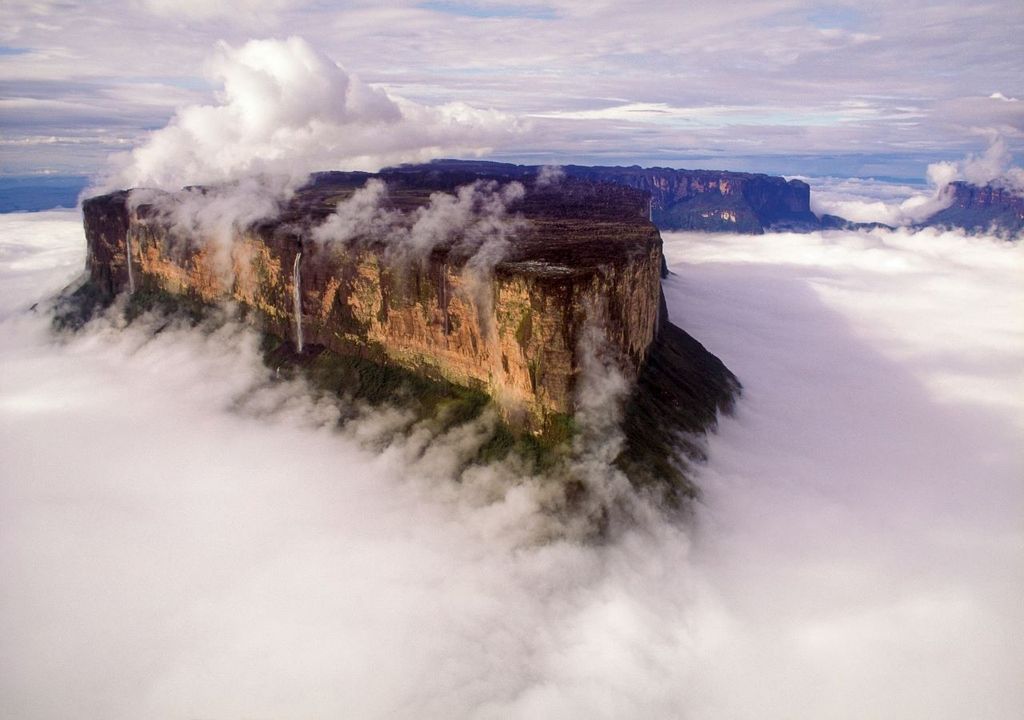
[780, 86]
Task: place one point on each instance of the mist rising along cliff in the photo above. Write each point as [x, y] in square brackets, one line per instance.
[981, 208]
[510, 288]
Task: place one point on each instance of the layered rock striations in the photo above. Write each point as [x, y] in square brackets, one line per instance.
[507, 318]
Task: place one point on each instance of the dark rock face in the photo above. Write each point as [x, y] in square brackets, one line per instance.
[106, 229]
[975, 208]
[713, 200]
[706, 200]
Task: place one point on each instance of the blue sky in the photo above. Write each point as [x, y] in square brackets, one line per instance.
[779, 86]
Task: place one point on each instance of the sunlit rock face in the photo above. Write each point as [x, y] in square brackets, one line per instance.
[506, 319]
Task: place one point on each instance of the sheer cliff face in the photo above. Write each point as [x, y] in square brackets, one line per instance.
[981, 208]
[978, 197]
[705, 200]
[513, 328]
[714, 200]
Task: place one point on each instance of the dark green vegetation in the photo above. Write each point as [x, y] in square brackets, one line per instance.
[429, 400]
[77, 305]
[82, 301]
[673, 403]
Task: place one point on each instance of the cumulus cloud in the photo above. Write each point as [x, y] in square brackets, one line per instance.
[869, 201]
[876, 93]
[286, 108]
[182, 536]
[994, 166]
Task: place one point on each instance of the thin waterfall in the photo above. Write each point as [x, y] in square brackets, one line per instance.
[128, 260]
[297, 299]
[444, 297]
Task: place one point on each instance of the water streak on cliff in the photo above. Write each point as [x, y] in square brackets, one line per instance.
[128, 261]
[297, 299]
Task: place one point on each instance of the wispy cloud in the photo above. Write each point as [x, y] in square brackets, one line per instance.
[490, 9]
[793, 65]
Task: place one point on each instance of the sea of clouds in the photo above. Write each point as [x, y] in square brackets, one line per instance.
[180, 536]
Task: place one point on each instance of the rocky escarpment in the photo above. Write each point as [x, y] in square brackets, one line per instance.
[707, 200]
[519, 291]
[985, 208]
[581, 258]
[713, 200]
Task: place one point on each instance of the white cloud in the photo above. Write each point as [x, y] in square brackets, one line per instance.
[993, 166]
[870, 201]
[917, 66]
[288, 109]
[179, 537]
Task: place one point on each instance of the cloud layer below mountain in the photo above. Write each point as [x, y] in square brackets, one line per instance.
[179, 537]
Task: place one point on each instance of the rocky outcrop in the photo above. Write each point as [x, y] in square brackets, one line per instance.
[582, 254]
[986, 208]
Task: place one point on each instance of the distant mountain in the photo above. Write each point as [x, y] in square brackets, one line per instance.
[985, 208]
[714, 200]
[30, 193]
[723, 201]
[708, 200]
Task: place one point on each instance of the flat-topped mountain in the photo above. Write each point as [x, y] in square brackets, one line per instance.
[503, 283]
[710, 200]
[748, 203]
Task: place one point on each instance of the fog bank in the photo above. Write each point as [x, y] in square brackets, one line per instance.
[180, 537]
